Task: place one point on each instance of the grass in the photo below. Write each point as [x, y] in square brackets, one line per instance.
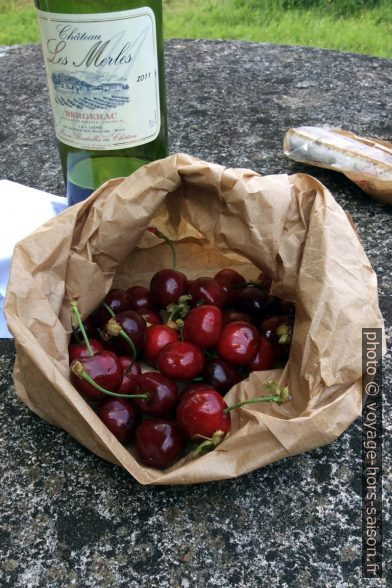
[359, 26]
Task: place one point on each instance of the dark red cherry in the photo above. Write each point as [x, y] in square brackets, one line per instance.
[206, 291]
[253, 301]
[152, 317]
[162, 394]
[117, 300]
[202, 326]
[264, 281]
[201, 414]
[131, 370]
[265, 358]
[104, 368]
[238, 343]
[221, 375]
[79, 350]
[120, 416]
[229, 281]
[159, 443]
[140, 298]
[180, 359]
[167, 286]
[133, 325]
[90, 328]
[231, 315]
[157, 337]
[279, 331]
[192, 388]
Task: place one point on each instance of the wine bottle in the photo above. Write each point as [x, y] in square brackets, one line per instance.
[105, 72]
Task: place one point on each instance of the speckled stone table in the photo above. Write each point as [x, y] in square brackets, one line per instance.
[70, 519]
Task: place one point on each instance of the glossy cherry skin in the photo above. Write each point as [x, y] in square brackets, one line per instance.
[140, 298]
[238, 343]
[131, 369]
[167, 286]
[157, 337]
[193, 388]
[203, 325]
[152, 317]
[79, 350]
[117, 300]
[134, 326]
[221, 375]
[265, 358]
[159, 443]
[253, 301]
[229, 281]
[106, 371]
[180, 359]
[206, 291]
[162, 394]
[202, 413]
[120, 416]
[270, 327]
[232, 315]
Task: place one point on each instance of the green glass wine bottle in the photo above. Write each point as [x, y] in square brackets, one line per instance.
[105, 71]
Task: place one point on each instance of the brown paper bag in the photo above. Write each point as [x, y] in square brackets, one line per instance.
[290, 227]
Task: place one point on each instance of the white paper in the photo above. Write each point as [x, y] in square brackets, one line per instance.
[22, 210]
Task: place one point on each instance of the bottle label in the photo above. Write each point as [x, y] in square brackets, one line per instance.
[102, 72]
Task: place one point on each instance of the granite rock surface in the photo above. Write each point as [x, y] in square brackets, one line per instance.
[70, 519]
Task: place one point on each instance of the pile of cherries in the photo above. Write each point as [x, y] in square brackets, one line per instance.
[155, 362]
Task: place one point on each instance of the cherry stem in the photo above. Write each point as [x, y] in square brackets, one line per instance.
[253, 401]
[75, 310]
[76, 335]
[207, 444]
[113, 328]
[281, 395]
[107, 307]
[81, 372]
[160, 235]
[130, 343]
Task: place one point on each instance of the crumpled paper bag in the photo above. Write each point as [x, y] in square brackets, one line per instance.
[287, 226]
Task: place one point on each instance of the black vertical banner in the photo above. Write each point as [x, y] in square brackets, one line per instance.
[372, 453]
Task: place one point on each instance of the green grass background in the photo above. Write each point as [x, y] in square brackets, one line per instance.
[360, 26]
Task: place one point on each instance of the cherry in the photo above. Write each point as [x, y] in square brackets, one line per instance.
[231, 315]
[180, 359]
[238, 342]
[264, 281]
[201, 415]
[120, 416]
[104, 369]
[157, 337]
[202, 326]
[206, 291]
[140, 298]
[159, 442]
[116, 300]
[131, 370]
[229, 281]
[89, 327]
[133, 325]
[195, 387]
[265, 358]
[253, 301]
[80, 350]
[152, 317]
[161, 394]
[279, 331]
[167, 286]
[221, 375]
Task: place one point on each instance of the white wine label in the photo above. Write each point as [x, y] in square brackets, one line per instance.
[102, 72]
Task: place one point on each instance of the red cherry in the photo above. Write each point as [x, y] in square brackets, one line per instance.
[167, 286]
[140, 298]
[202, 414]
[202, 326]
[231, 315]
[156, 338]
[229, 280]
[117, 300]
[106, 371]
[159, 443]
[162, 394]
[192, 388]
[152, 317]
[221, 375]
[131, 370]
[79, 350]
[279, 331]
[253, 301]
[265, 358]
[120, 417]
[133, 325]
[206, 291]
[238, 343]
[180, 359]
